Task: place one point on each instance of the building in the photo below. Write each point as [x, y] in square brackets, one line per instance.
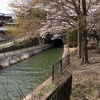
[5, 18]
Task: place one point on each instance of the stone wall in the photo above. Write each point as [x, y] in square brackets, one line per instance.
[18, 46]
[12, 59]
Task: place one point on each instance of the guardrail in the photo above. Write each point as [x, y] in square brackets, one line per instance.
[63, 91]
[59, 67]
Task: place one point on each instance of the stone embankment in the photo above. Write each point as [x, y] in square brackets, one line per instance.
[12, 59]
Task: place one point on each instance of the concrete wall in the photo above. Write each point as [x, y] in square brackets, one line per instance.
[18, 46]
[10, 60]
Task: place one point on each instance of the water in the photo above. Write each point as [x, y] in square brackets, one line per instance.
[21, 78]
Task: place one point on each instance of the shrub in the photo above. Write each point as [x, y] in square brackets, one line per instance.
[72, 38]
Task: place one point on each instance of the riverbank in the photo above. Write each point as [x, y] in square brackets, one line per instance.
[16, 57]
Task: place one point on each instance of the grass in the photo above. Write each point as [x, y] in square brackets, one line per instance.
[40, 93]
[46, 89]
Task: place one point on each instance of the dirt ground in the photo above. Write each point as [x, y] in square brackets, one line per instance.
[86, 78]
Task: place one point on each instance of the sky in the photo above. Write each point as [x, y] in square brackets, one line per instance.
[4, 7]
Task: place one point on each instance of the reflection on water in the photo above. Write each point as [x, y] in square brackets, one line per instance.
[21, 78]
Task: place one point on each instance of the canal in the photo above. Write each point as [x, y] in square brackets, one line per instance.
[20, 79]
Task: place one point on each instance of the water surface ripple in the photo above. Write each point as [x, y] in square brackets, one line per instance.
[20, 79]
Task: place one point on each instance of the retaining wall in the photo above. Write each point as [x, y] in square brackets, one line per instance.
[12, 59]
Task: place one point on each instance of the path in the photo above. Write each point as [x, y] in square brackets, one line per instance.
[86, 79]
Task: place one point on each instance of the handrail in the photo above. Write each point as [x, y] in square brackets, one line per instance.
[59, 67]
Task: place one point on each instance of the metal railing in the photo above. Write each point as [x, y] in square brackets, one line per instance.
[63, 91]
[59, 67]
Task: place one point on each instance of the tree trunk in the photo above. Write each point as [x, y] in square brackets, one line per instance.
[84, 48]
[79, 37]
[79, 31]
[84, 35]
[79, 43]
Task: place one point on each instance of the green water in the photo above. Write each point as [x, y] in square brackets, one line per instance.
[23, 77]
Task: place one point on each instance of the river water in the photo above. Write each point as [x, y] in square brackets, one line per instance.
[20, 79]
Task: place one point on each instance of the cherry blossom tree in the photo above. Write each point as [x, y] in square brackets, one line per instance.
[65, 15]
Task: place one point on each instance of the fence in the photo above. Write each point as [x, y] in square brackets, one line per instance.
[59, 68]
[63, 91]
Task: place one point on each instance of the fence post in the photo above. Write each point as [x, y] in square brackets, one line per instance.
[60, 66]
[52, 73]
[68, 58]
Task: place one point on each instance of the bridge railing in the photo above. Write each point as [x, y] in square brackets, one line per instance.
[59, 67]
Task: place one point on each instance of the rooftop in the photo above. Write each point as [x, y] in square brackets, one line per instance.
[1, 14]
[5, 15]
[3, 29]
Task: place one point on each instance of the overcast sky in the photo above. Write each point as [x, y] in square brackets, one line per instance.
[4, 6]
